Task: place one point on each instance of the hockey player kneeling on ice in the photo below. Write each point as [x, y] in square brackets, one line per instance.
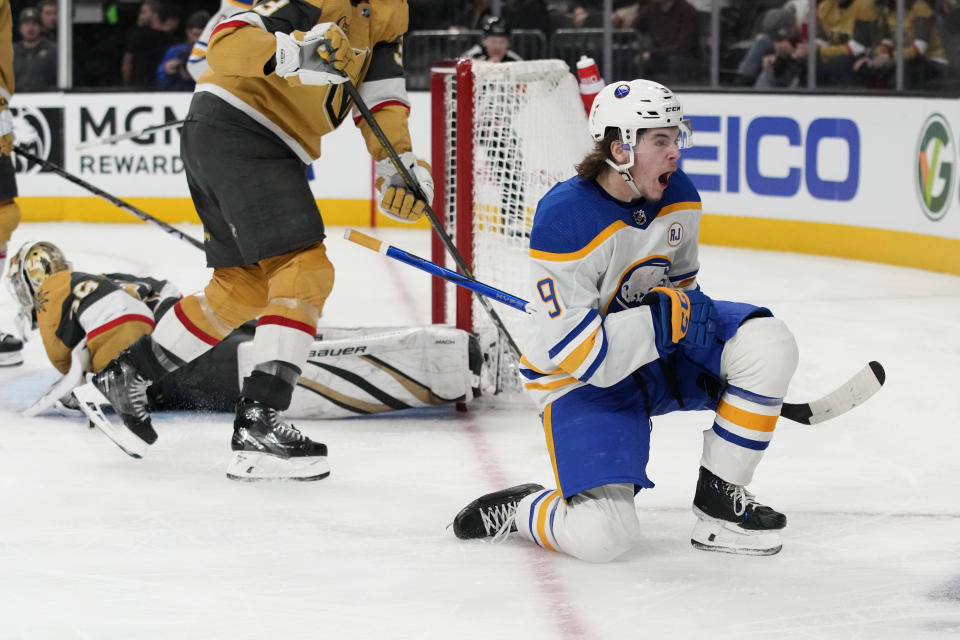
[624, 333]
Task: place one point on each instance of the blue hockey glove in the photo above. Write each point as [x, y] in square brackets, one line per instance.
[686, 317]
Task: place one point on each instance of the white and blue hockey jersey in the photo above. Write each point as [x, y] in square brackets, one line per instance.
[593, 257]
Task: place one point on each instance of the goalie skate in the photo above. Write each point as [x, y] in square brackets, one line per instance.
[91, 402]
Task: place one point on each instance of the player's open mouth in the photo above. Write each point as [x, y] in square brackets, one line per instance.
[664, 178]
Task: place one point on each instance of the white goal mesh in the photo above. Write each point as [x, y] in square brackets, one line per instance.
[504, 134]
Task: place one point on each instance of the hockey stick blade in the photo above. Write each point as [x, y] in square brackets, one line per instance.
[850, 394]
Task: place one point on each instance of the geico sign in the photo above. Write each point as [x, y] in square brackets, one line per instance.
[761, 152]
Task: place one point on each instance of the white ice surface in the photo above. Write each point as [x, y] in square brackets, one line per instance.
[94, 544]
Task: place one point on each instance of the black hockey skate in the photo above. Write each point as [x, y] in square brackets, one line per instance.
[492, 515]
[730, 519]
[11, 350]
[122, 388]
[266, 448]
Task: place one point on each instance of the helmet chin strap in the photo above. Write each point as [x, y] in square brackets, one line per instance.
[629, 180]
[624, 171]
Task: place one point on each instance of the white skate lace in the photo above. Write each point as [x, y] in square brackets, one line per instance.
[138, 398]
[498, 519]
[284, 432]
[741, 499]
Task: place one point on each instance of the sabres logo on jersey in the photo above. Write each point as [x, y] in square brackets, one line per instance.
[637, 280]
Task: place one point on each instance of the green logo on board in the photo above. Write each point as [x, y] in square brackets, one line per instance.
[935, 166]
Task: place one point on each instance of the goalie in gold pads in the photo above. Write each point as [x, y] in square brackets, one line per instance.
[86, 319]
[258, 115]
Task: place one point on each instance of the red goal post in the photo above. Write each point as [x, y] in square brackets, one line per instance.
[502, 135]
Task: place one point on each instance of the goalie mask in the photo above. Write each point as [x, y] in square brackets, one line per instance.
[633, 106]
[32, 264]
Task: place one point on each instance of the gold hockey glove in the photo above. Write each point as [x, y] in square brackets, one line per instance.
[320, 56]
[6, 128]
[396, 200]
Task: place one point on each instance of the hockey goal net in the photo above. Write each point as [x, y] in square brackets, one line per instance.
[503, 135]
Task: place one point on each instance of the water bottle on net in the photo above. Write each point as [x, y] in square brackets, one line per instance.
[590, 81]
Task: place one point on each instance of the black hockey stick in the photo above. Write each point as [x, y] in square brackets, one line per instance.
[143, 215]
[129, 134]
[850, 394]
[414, 186]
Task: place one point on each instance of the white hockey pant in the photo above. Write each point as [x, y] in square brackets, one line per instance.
[597, 525]
[757, 365]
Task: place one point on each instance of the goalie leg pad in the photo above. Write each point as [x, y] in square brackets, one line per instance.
[253, 466]
[713, 534]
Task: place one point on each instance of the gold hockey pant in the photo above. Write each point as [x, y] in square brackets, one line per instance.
[286, 293]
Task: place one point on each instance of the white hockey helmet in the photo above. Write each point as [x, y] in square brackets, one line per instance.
[635, 105]
[29, 267]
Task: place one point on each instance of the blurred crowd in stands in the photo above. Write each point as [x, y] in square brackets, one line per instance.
[136, 44]
[762, 43]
